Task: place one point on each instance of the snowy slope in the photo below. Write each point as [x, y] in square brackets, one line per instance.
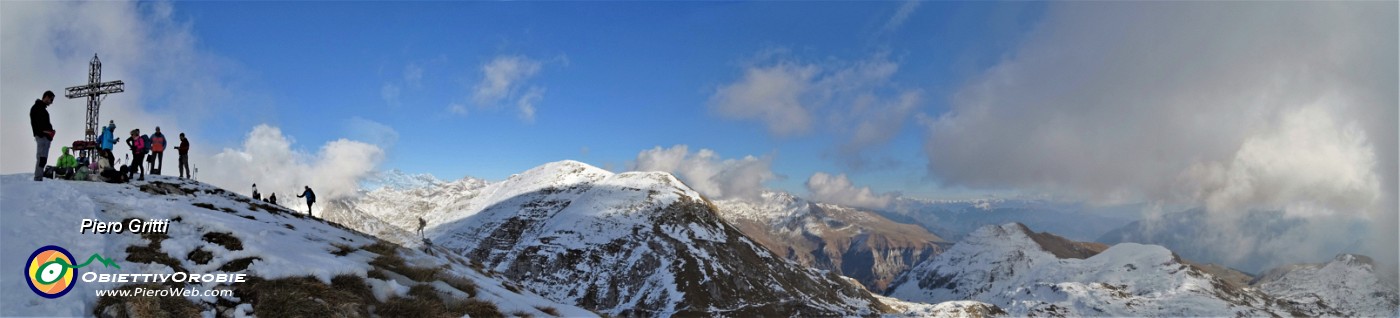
[215, 231]
[1008, 266]
[623, 244]
[1346, 286]
[852, 242]
[394, 201]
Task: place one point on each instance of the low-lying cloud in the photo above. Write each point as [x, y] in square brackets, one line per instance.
[839, 190]
[706, 172]
[269, 159]
[1230, 106]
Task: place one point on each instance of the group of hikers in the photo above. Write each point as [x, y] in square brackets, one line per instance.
[305, 193]
[144, 149]
[104, 166]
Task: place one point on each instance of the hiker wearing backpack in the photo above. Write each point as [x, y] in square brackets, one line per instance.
[310, 199]
[184, 149]
[107, 140]
[157, 151]
[138, 146]
[43, 132]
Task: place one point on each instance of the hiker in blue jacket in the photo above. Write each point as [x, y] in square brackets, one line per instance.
[108, 139]
[310, 199]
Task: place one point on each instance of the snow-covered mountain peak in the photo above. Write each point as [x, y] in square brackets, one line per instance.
[1348, 285]
[564, 171]
[633, 244]
[399, 180]
[1028, 273]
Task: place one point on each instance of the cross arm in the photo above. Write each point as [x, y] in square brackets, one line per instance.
[96, 89]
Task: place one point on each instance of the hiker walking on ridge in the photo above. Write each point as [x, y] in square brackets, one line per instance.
[310, 199]
[43, 132]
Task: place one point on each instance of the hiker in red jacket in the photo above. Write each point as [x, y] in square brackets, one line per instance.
[157, 151]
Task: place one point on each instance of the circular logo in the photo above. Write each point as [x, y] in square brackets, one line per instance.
[50, 272]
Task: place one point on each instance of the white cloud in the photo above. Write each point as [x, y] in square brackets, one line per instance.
[900, 15]
[458, 109]
[504, 78]
[373, 132]
[838, 189]
[390, 93]
[269, 159]
[772, 94]
[47, 46]
[1231, 106]
[709, 174]
[527, 102]
[413, 75]
[857, 101]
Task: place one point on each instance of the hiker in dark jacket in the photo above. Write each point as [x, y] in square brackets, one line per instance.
[184, 149]
[310, 199]
[43, 132]
[138, 152]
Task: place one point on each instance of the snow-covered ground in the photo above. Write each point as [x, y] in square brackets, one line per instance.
[284, 243]
[1346, 286]
[1008, 266]
[1004, 266]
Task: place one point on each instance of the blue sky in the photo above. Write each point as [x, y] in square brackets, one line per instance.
[618, 77]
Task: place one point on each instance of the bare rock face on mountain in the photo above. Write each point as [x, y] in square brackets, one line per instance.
[1027, 273]
[629, 244]
[849, 241]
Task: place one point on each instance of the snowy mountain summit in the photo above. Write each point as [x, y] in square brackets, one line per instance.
[1346, 286]
[629, 244]
[1028, 273]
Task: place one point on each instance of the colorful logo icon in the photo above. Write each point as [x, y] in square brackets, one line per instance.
[50, 271]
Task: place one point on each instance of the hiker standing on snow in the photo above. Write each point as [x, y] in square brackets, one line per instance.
[310, 199]
[107, 140]
[43, 132]
[138, 152]
[157, 151]
[256, 195]
[184, 149]
[422, 223]
[272, 198]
